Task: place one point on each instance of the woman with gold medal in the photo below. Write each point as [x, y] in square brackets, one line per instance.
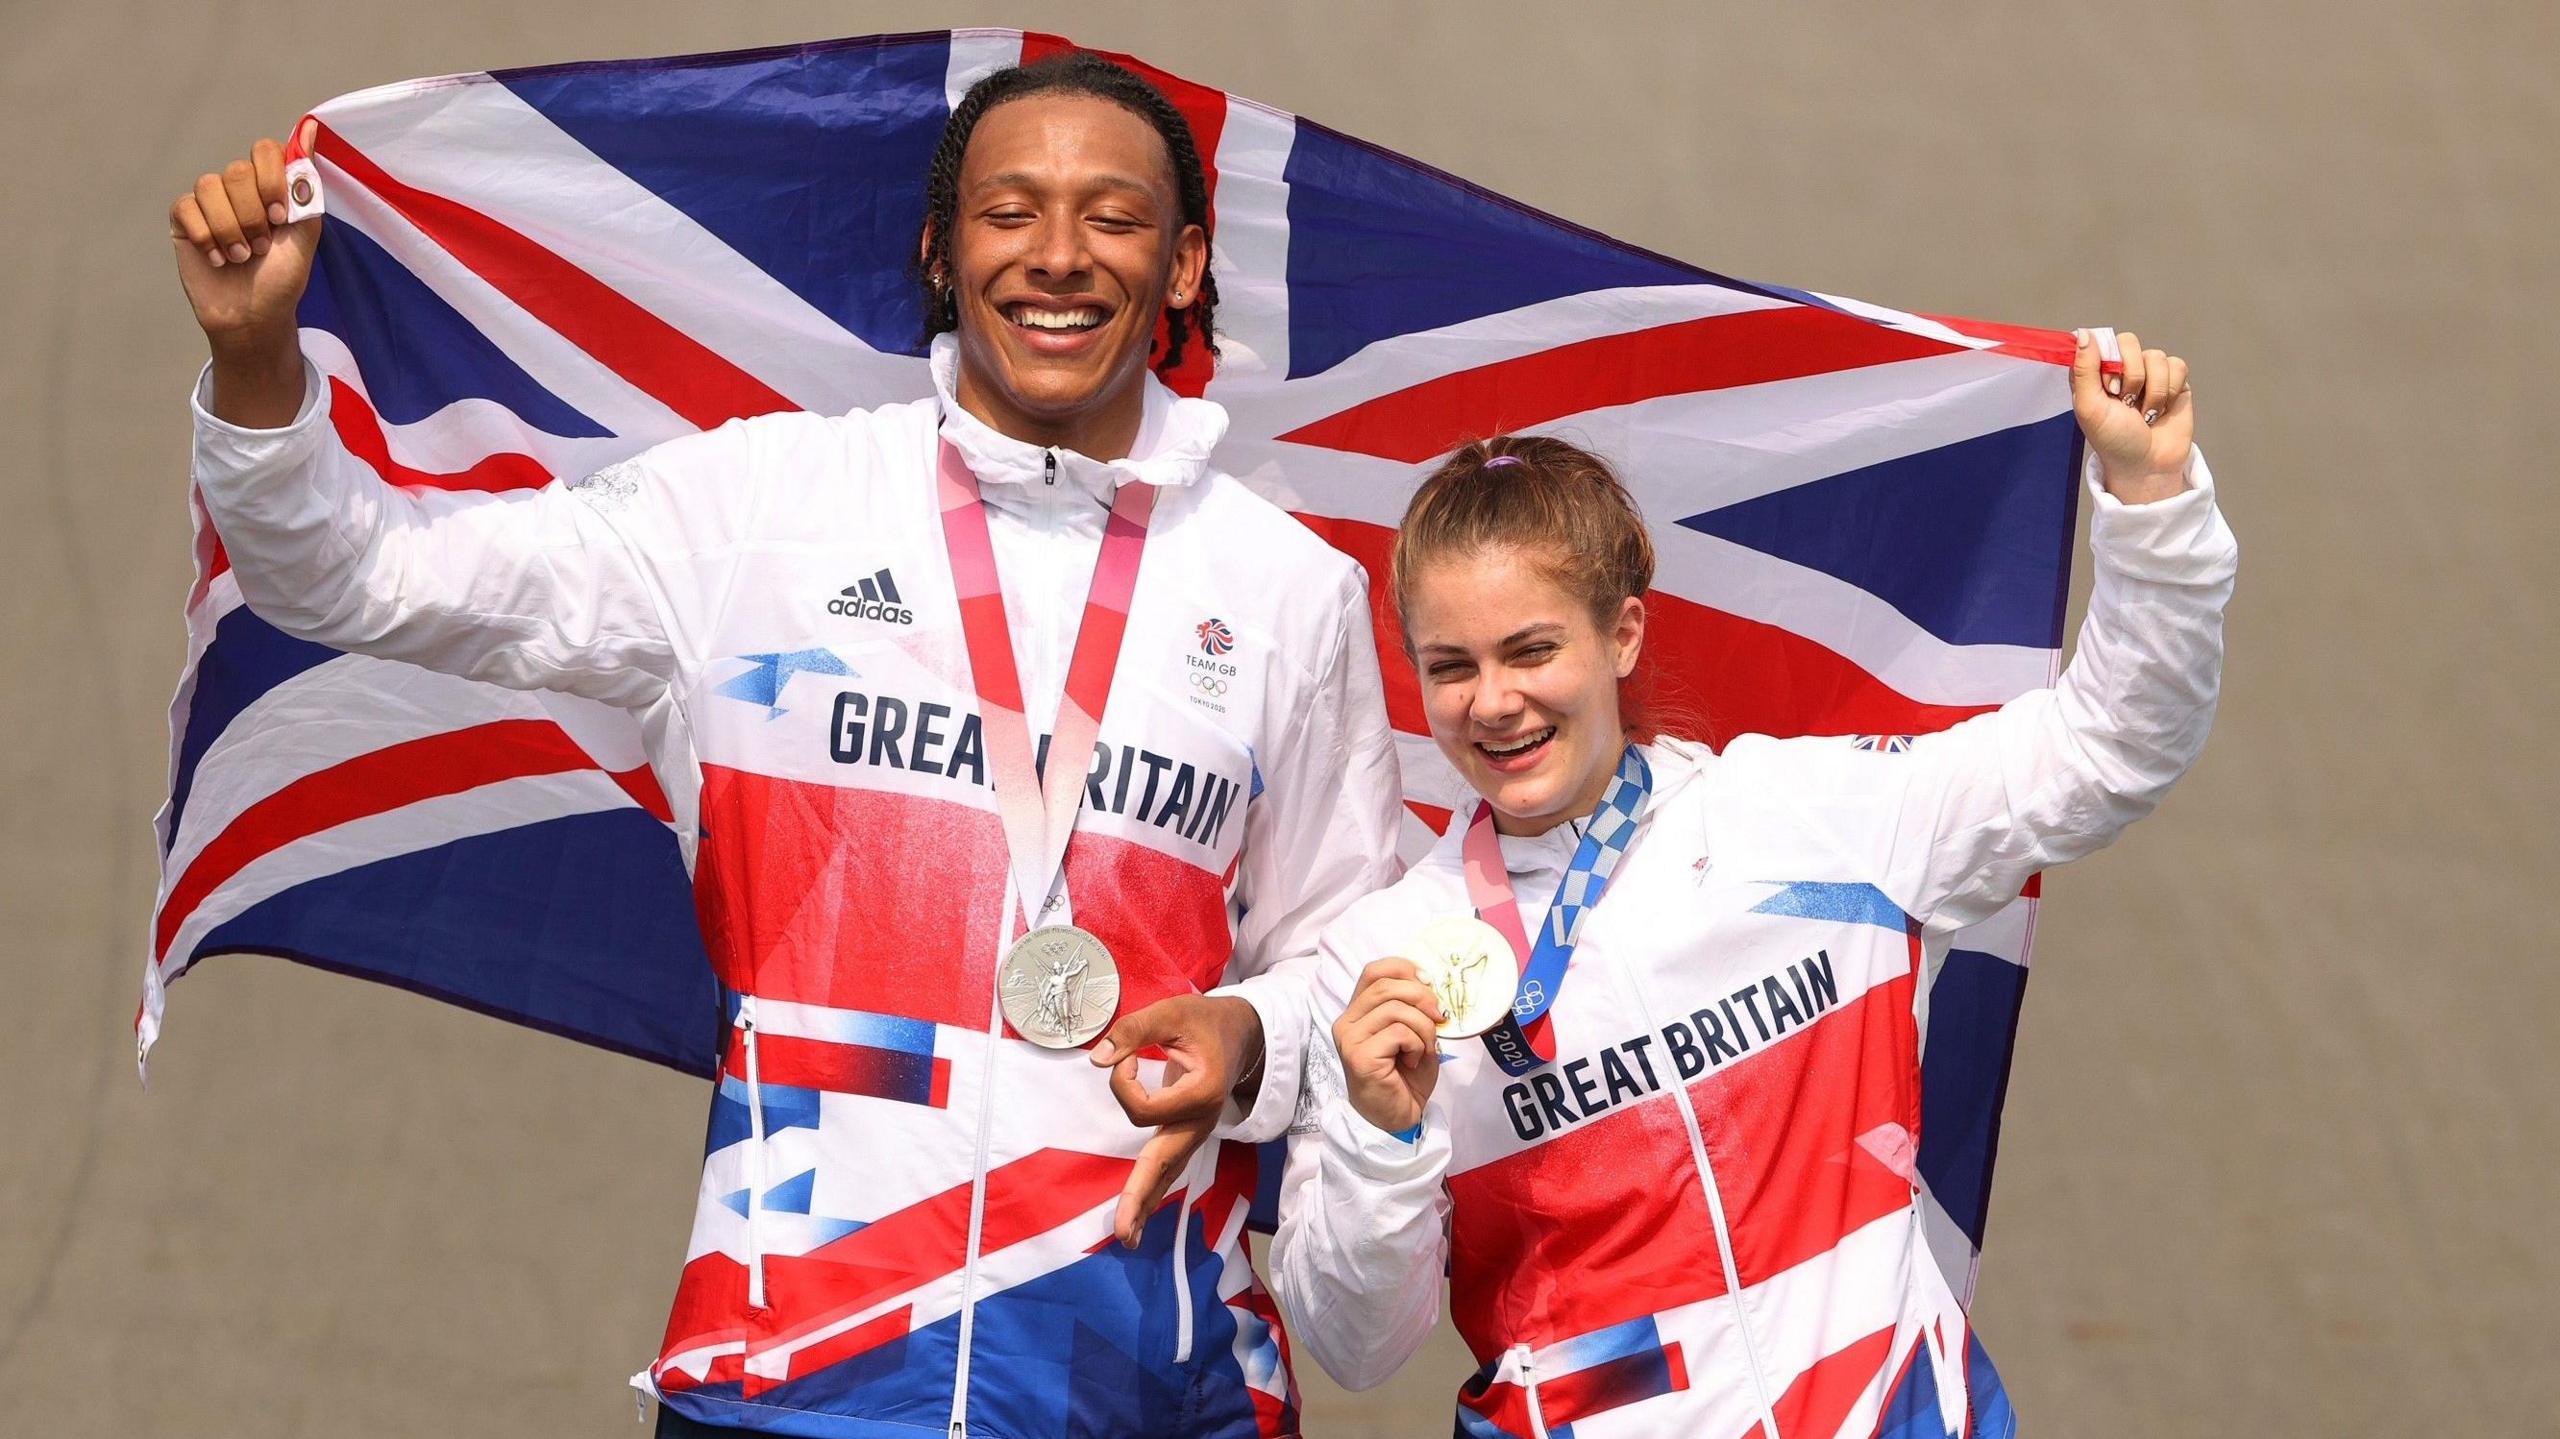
[1670, 1178]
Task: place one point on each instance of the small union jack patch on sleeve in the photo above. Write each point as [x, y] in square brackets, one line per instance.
[1882, 743]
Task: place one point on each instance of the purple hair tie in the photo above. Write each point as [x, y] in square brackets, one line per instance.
[1498, 461]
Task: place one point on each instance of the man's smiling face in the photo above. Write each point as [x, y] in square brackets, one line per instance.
[1067, 245]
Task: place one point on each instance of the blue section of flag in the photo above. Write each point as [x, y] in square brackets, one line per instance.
[1911, 1410]
[1381, 246]
[418, 354]
[616, 959]
[808, 160]
[1973, 1028]
[1843, 903]
[1971, 541]
[246, 658]
[1992, 1416]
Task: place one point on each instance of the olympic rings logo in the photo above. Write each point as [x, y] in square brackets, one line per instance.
[1208, 684]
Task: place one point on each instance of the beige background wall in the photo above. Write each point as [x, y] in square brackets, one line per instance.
[2280, 1153]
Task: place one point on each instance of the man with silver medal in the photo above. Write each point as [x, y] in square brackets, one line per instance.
[1062, 263]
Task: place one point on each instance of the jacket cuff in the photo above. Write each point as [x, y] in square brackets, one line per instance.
[1372, 1154]
[2181, 540]
[1282, 1003]
[223, 448]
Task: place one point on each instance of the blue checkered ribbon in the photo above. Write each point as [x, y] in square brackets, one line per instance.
[1520, 1042]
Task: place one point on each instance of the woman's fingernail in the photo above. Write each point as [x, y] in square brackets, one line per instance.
[2080, 339]
[275, 214]
[2115, 384]
[240, 253]
[216, 257]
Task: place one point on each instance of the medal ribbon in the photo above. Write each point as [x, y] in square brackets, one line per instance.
[1523, 1040]
[1036, 802]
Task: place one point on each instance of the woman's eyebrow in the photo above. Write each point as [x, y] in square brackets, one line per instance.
[1516, 636]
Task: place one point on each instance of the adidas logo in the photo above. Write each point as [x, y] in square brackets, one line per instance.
[873, 599]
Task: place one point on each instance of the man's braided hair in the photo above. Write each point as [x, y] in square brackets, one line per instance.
[1078, 73]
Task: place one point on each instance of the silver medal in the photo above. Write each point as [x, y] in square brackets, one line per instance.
[1058, 986]
[1471, 971]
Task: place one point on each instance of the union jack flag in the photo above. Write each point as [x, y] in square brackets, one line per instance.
[1865, 517]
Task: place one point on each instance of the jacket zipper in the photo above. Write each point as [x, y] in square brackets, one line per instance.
[978, 1172]
[1182, 1276]
[1529, 1387]
[1724, 1231]
[755, 1150]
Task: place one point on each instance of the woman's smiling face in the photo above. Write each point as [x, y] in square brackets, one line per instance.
[1520, 683]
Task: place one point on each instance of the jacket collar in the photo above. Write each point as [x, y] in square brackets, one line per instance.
[1175, 436]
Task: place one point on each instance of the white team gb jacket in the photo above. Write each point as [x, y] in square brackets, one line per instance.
[905, 1208]
[1704, 1218]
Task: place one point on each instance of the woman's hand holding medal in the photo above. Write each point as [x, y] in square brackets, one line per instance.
[1389, 1040]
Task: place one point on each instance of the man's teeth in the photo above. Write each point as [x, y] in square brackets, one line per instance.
[1526, 742]
[1083, 319]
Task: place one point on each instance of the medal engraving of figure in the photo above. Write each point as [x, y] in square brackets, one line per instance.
[1058, 986]
[1471, 971]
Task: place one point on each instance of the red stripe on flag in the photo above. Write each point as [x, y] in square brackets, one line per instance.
[656, 357]
[642, 785]
[360, 430]
[1718, 352]
[374, 783]
[2053, 347]
[211, 558]
[1205, 110]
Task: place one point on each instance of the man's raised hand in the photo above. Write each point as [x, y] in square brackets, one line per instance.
[244, 270]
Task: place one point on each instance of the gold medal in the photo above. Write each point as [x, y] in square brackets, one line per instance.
[1471, 971]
